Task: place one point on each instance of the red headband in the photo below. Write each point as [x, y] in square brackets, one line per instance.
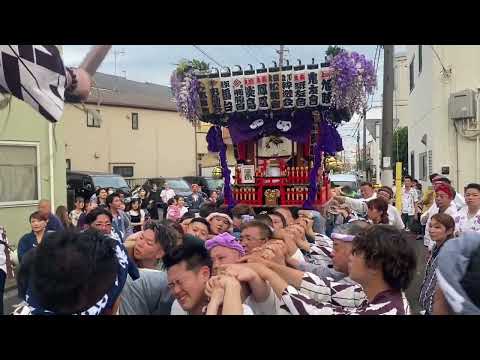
[445, 188]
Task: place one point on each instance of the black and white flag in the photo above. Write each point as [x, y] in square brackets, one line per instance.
[36, 75]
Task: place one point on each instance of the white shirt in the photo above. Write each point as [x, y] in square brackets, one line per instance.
[271, 306]
[463, 223]
[183, 211]
[298, 256]
[394, 217]
[177, 309]
[409, 198]
[167, 195]
[459, 201]
[451, 210]
[359, 205]
[3, 256]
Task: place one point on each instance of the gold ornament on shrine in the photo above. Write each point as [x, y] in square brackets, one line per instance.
[271, 197]
[217, 173]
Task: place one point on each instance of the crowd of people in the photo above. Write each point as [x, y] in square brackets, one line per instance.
[353, 256]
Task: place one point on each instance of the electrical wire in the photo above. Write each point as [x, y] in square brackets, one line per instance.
[208, 56]
[445, 71]
[250, 53]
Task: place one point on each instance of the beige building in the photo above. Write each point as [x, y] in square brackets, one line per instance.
[400, 90]
[434, 144]
[138, 132]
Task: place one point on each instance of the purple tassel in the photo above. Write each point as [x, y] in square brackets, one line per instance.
[216, 144]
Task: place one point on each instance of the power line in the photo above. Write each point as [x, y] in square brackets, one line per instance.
[438, 57]
[208, 56]
[250, 53]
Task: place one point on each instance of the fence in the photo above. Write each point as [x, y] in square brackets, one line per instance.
[135, 182]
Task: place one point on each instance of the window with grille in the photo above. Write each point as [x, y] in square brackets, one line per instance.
[93, 121]
[422, 166]
[125, 171]
[135, 121]
[19, 176]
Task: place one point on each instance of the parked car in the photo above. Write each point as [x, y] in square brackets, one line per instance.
[207, 184]
[84, 183]
[345, 179]
[179, 185]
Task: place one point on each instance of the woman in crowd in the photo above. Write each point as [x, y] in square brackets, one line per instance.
[173, 211]
[82, 220]
[468, 217]
[278, 220]
[219, 223]
[444, 203]
[382, 262]
[137, 215]
[78, 211]
[213, 197]
[441, 229]
[62, 214]
[181, 205]
[377, 211]
[144, 196]
[38, 222]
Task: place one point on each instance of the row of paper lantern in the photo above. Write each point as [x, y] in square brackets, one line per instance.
[291, 87]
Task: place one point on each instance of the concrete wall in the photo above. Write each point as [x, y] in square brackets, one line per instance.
[428, 109]
[164, 144]
[24, 124]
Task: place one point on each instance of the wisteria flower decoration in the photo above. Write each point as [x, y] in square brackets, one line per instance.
[185, 88]
[353, 80]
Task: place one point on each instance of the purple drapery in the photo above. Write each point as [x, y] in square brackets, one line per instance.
[312, 187]
[295, 126]
[216, 144]
[330, 142]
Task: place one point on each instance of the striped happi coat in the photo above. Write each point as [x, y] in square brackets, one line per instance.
[323, 297]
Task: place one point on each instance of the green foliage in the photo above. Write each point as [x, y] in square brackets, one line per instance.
[400, 148]
[185, 65]
[334, 50]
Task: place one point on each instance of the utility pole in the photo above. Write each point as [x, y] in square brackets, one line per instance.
[280, 53]
[358, 152]
[387, 116]
[365, 144]
[115, 54]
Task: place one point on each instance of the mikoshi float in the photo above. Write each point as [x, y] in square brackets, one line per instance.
[282, 120]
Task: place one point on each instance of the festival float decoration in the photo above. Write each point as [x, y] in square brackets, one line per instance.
[282, 120]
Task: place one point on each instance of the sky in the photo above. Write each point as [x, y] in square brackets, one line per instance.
[155, 63]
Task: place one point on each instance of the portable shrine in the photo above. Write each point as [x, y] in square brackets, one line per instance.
[282, 120]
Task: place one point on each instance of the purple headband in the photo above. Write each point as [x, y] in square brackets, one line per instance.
[225, 240]
[342, 237]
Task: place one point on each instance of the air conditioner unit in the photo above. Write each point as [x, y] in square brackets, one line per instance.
[462, 105]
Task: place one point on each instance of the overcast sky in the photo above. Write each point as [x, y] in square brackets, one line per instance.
[155, 63]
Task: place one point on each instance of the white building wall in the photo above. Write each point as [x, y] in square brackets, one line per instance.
[428, 110]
